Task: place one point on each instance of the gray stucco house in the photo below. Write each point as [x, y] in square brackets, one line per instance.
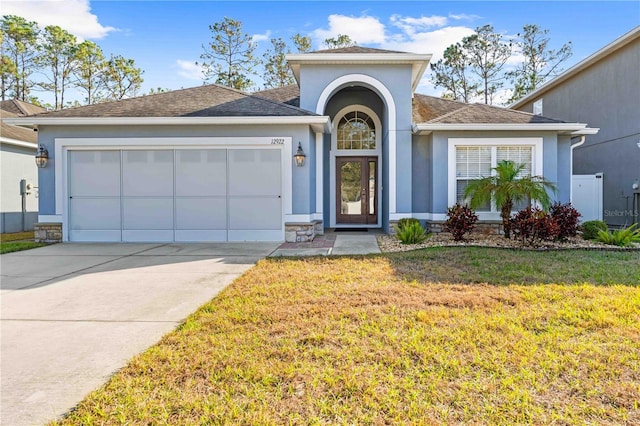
[603, 90]
[214, 164]
[17, 149]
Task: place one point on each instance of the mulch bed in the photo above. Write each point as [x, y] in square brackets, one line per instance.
[389, 243]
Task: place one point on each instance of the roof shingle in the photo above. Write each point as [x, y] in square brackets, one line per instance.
[356, 49]
[203, 101]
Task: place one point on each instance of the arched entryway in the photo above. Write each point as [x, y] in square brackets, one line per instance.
[357, 153]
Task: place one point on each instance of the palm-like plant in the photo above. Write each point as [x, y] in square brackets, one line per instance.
[506, 188]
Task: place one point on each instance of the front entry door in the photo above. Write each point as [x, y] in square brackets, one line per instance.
[357, 190]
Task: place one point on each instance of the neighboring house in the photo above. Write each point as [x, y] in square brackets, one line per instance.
[214, 164]
[17, 150]
[603, 90]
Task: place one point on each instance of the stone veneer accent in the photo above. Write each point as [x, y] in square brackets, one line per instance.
[487, 227]
[302, 232]
[47, 232]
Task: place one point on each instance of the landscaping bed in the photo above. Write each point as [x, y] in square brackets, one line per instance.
[389, 243]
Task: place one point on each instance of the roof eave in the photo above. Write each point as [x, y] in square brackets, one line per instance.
[573, 129]
[610, 48]
[23, 144]
[315, 121]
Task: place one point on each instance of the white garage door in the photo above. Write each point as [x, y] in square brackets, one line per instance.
[175, 195]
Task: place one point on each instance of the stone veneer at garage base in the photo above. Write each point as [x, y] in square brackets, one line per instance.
[47, 232]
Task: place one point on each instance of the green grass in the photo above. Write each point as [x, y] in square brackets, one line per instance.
[12, 246]
[398, 339]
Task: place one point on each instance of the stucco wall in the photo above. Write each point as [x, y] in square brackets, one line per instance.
[302, 177]
[397, 80]
[17, 163]
[605, 95]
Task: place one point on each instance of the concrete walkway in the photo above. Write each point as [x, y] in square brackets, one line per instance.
[73, 314]
[331, 244]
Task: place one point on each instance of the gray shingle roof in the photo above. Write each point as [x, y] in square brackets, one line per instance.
[220, 101]
[203, 101]
[289, 95]
[14, 132]
[356, 49]
[20, 108]
[488, 114]
[429, 109]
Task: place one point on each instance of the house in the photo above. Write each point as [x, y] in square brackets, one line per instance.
[214, 164]
[17, 150]
[603, 90]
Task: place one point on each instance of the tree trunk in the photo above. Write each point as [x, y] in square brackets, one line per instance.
[505, 213]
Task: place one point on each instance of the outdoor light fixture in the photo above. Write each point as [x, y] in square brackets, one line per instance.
[42, 157]
[299, 156]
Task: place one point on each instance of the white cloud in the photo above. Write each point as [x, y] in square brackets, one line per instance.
[410, 25]
[424, 34]
[72, 15]
[261, 37]
[363, 30]
[189, 69]
[464, 17]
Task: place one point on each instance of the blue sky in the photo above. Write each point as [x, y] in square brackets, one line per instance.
[165, 37]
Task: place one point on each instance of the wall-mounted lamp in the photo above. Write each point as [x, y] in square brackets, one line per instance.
[299, 156]
[635, 185]
[42, 157]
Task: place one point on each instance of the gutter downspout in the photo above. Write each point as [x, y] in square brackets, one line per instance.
[574, 146]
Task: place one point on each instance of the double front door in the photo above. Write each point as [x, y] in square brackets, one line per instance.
[357, 190]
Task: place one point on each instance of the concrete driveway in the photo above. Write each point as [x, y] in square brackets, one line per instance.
[73, 314]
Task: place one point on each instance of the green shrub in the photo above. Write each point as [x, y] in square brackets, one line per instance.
[621, 237]
[532, 226]
[405, 221]
[460, 220]
[567, 218]
[590, 229]
[411, 233]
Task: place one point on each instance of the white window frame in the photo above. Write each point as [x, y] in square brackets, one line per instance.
[537, 107]
[536, 163]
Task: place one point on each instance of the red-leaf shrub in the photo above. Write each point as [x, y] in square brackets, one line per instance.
[532, 226]
[460, 220]
[567, 218]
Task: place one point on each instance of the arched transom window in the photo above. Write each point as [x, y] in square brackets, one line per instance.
[356, 130]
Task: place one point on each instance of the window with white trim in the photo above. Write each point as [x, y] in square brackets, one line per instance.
[476, 162]
[537, 107]
[356, 130]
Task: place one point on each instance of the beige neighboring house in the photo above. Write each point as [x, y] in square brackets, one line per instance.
[18, 147]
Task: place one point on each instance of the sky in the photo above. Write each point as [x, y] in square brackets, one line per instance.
[165, 38]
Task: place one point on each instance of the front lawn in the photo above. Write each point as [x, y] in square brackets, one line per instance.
[398, 339]
[11, 246]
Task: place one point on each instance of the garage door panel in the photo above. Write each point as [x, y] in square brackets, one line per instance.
[95, 214]
[212, 194]
[254, 172]
[201, 213]
[94, 173]
[201, 172]
[147, 173]
[254, 213]
[147, 213]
